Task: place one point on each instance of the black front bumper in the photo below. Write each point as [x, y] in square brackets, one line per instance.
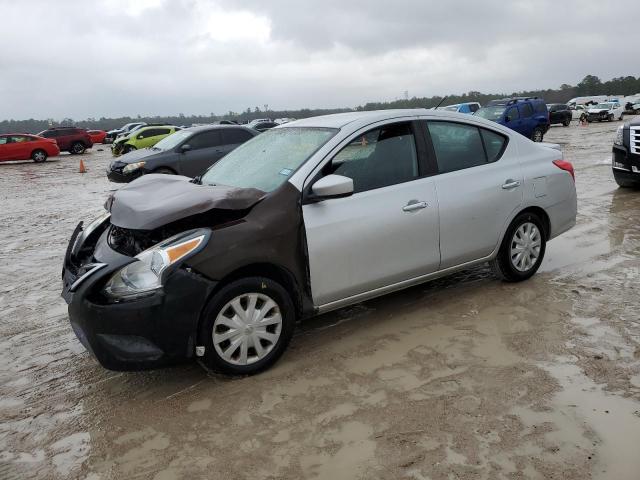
[114, 173]
[148, 332]
[625, 164]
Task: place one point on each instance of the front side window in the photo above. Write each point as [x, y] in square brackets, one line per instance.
[493, 113]
[211, 138]
[458, 146]
[268, 160]
[379, 158]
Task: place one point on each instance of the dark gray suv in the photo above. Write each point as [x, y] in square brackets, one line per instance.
[187, 152]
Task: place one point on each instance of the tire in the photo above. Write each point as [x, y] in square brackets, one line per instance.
[128, 148]
[566, 123]
[537, 135]
[610, 118]
[39, 156]
[77, 148]
[166, 171]
[507, 265]
[218, 319]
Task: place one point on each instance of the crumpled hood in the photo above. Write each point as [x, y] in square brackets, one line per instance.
[598, 110]
[137, 155]
[155, 200]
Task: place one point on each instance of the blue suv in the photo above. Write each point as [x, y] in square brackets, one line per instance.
[526, 115]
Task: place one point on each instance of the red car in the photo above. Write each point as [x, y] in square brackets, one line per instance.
[97, 136]
[22, 146]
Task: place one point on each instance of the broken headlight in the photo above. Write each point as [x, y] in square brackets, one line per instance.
[619, 136]
[132, 167]
[144, 275]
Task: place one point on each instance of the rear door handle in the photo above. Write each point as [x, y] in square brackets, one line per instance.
[414, 205]
[509, 184]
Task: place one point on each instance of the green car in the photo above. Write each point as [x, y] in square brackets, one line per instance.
[144, 137]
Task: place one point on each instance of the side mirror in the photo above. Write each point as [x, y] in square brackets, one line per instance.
[507, 118]
[140, 137]
[185, 148]
[333, 186]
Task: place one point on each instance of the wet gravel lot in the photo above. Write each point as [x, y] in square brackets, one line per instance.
[465, 377]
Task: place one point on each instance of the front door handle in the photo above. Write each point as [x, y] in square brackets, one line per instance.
[414, 205]
[509, 184]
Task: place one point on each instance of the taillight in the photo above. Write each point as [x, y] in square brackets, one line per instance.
[566, 166]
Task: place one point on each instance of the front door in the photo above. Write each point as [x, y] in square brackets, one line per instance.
[206, 149]
[387, 231]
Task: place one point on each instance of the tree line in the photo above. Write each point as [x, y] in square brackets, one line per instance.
[589, 85]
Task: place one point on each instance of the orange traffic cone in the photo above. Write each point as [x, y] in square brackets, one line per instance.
[83, 169]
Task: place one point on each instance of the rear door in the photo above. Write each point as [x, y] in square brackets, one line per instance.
[387, 231]
[479, 186]
[6, 149]
[206, 149]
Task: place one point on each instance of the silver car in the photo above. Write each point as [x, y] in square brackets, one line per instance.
[308, 217]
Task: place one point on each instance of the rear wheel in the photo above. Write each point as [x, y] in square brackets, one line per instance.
[77, 148]
[246, 326]
[537, 135]
[39, 156]
[522, 249]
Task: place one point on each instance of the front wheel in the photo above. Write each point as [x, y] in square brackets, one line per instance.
[610, 118]
[566, 123]
[537, 135]
[128, 148]
[39, 156]
[522, 249]
[164, 170]
[246, 327]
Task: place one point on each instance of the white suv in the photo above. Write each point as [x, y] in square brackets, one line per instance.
[308, 217]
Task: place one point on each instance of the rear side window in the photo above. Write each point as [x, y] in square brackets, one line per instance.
[494, 144]
[379, 158]
[211, 138]
[458, 146]
[526, 110]
[232, 136]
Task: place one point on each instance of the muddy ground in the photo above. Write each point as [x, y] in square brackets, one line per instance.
[465, 377]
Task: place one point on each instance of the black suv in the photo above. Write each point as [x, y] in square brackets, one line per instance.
[626, 154]
[186, 152]
[559, 113]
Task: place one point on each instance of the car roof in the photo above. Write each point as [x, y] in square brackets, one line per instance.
[217, 126]
[339, 120]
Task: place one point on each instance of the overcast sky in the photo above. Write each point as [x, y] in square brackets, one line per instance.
[93, 58]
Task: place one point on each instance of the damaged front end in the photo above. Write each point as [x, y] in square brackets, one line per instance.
[133, 293]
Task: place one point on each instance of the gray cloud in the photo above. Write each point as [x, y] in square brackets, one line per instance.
[116, 57]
